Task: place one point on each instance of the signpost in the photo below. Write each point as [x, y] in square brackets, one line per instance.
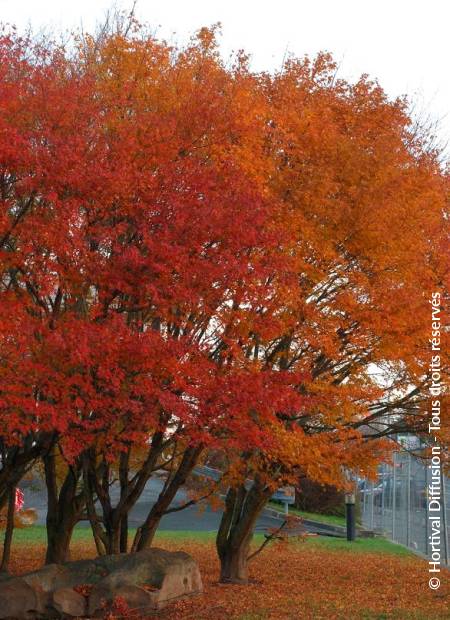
[350, 516]
[286, 495]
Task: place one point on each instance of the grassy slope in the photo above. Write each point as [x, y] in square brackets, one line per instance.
[361, 545]
[313, 516]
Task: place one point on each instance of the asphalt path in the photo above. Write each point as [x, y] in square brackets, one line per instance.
[199, 518]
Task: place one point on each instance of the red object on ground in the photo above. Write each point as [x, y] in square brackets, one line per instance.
[19, 501]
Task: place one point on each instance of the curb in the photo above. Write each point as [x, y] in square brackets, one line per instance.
[323, 528]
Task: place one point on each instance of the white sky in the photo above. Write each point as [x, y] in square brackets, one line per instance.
[405, 44]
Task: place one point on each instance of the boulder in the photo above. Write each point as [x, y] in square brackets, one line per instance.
[55, 576]
[171, 574]
[137, 598]
[47, 578]
[17, 599]
[146, 580]
[69, 602]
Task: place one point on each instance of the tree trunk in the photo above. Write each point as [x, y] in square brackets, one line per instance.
[9, 530]
[63, 509]
[234, 565]
[124, 468]
[113, 533]
[124, 534]
[110, 528]
[242, 509]
[59, 536]
[146, 533]
[97, 530]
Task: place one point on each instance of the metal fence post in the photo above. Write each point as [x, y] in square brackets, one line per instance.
[371, 505]
[394, 493]
[364, 489]
[408, 501]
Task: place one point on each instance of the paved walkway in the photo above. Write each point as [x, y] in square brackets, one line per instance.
[199, 518]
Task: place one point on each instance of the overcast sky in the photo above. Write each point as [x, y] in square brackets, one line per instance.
[405, 44]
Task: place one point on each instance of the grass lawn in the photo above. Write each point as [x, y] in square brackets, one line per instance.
[313, 516]
[36, 535]
[317, 578]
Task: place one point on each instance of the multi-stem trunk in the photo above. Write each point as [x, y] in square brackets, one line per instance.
[242, 509]
[64, 508]
[110, 527]
[145, 534]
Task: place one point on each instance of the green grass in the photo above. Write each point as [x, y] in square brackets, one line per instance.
[185, 534]
[313, 516]
[360, 545]
[36, 534]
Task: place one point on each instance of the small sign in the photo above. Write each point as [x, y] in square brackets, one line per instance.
[285, 494]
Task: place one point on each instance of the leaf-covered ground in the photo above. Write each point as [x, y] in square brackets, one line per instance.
[318, 579]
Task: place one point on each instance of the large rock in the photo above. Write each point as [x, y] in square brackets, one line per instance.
[17, 599]
[56, 576]
[67, 601]
[146, 580]
[171, 574]
[136, 597]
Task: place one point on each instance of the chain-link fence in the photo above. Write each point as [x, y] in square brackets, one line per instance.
[397, 505]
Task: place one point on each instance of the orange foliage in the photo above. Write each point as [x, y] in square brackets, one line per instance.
[192, 247]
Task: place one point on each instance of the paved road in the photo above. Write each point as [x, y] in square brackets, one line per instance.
[199, 518]
[195, 518]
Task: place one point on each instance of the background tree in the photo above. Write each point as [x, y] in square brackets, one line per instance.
[361, 213]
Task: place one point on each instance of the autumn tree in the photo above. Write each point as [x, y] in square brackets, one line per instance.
[192, 221]
[124, 275]
[194, 256]
[360, 205]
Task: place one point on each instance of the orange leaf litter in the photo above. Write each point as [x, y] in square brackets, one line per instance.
[298, 581]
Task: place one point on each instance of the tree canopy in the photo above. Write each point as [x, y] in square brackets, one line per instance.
[195, 256]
